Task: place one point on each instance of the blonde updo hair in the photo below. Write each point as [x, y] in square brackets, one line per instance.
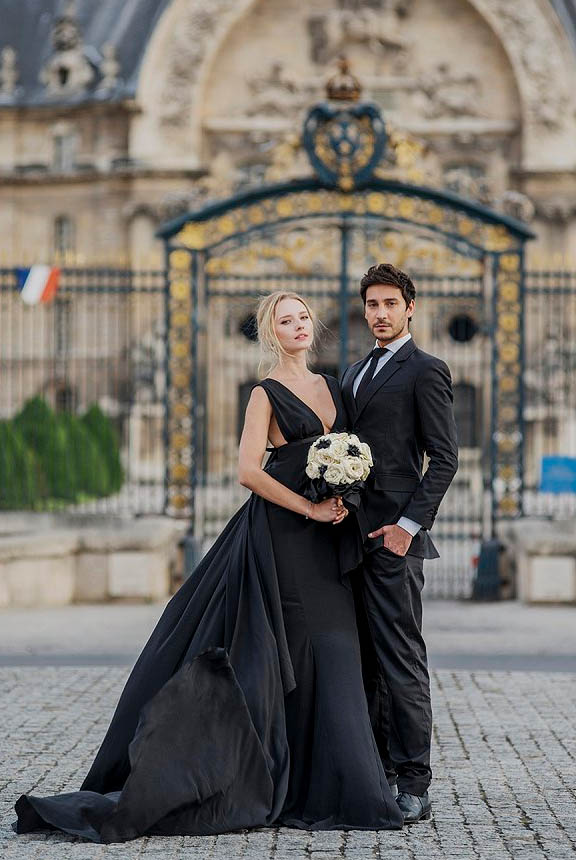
[271, 349]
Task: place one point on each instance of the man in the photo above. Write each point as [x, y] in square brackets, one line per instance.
[399, 401]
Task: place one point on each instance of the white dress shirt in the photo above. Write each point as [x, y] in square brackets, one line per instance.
[404, 522]
[390, 350]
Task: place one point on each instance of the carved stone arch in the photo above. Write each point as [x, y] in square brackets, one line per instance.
[544, 67]
[172, 73]
[180, 56]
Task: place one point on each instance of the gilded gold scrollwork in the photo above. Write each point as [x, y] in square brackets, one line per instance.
[497, 238]
[433, 215]
[508, 402]
[391, 204]
[180, 364]
[509, 505]
[192, 236]
[375, 202]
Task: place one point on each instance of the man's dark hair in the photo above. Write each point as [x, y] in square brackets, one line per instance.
[386, 273]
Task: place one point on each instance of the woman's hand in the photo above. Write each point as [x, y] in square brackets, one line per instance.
[342, 511]
[329, 511]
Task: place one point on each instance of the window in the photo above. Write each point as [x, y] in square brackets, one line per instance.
[64, 239]
[462, 328]
[64, 151]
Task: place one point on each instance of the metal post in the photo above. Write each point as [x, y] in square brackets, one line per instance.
[192, 540]
[194, 386]
[522, 362]
[343, 295]
[167, 375]
[486, 584]
[494, 389]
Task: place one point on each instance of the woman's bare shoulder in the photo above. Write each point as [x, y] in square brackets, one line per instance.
[258, 396]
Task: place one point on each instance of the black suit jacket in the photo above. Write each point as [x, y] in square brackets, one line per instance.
[405, 411]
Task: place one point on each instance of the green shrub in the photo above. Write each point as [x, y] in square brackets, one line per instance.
[104, 433]
[89, 465]
[46, 436]
[67, 457]
[21, 483]
[36, 422]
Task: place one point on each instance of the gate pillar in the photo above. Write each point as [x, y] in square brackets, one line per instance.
[507, 437]
[179, 400]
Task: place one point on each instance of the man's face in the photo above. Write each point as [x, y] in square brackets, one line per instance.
[386, 312]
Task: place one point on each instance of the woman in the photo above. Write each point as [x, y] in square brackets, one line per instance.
[246, 707]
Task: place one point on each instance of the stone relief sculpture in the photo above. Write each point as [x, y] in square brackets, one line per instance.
[109, 68]
[534, 50]
[517, 205]
[8, 71]
[520, 25]
[277, 93]
[67, 69]
[378, 29]
[465, 183]
[188, 48]
[444, 93]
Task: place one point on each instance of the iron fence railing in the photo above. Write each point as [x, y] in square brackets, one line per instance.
[549, 375]
[93, 359]
[89, 369]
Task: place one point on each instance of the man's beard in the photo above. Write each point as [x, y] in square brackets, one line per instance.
[387, 333]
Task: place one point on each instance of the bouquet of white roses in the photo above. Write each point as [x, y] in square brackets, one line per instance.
[338, 465]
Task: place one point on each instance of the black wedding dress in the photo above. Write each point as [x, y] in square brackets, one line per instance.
[246, 707]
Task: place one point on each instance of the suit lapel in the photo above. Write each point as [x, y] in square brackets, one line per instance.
[392, 365]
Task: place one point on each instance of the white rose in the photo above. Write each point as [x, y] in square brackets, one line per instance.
[366, 453]
[354, 440]
[312, 470]
[354, 468]
[312, 455]
[339, 448]
[365, 470]
[324, 457]
[335, 474]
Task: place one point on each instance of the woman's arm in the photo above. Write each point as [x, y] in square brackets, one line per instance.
[252, 475]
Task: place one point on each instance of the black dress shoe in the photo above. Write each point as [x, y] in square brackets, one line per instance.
[414, 808]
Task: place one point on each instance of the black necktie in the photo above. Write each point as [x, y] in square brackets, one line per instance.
[375, 357]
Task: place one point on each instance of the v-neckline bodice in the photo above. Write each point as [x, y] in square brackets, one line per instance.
[325, 429]
[298, 420]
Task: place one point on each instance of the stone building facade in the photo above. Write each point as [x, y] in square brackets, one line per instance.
[116, 115]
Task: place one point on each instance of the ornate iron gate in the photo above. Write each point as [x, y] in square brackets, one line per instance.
[317, 236]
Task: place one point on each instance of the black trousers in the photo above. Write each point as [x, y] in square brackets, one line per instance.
[389, 607]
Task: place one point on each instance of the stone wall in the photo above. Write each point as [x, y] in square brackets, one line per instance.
[46, 560]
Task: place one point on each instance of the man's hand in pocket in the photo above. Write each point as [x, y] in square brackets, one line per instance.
[394, 538]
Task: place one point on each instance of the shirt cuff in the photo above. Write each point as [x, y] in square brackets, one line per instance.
[409, 526]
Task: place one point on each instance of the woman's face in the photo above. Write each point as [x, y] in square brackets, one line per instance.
[293, 326]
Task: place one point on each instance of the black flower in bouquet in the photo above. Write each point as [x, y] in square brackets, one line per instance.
[338, 465]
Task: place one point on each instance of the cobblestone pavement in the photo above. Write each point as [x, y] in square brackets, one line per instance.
[504, 759]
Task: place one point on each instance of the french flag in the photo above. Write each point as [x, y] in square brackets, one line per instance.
[38, 283]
